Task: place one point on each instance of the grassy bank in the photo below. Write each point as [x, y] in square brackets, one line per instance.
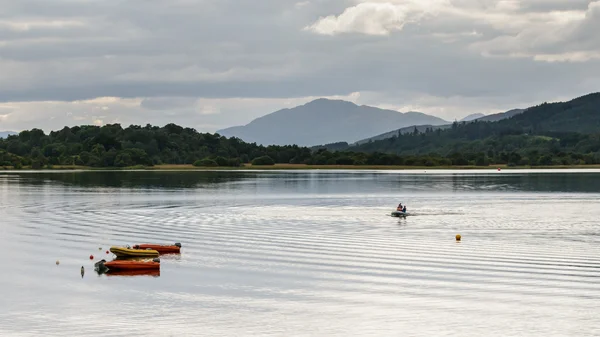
[186, 167]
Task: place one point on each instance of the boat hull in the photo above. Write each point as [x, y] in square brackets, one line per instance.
[398, 214]
[128, 252]
[161, 249]
[141, 272]
[131, 265]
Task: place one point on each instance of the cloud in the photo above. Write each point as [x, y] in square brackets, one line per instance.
[376, 18]
[532, 29]
[554, 36]
[211, 64]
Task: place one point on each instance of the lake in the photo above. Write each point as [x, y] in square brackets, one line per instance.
[304, 253]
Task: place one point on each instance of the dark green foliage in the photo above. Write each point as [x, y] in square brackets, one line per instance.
[534, 137]
[113, 146]
[206, 163]
[264, 160]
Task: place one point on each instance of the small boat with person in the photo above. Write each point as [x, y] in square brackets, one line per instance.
[400, 211]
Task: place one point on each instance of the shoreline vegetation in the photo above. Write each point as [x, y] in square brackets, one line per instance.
[532, 139]
[292, 167]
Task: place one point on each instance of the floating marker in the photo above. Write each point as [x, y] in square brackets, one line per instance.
[458, 237]
[107, 252]
[57, 262]
[91, 257]
[82, 271]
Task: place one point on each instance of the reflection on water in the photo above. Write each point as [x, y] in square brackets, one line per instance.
[415, 181]
[303, 253]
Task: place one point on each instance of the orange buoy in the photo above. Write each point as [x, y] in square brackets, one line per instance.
[458, 237]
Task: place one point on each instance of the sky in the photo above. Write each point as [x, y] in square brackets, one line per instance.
[211, 64]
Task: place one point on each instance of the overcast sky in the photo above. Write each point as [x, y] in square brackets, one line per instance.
[210, 64]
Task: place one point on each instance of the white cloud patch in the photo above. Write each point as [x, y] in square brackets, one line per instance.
[489, 27]
[376, 18]
[27, 25]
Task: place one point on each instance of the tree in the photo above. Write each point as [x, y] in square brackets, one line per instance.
[262, 161]
[206, 163]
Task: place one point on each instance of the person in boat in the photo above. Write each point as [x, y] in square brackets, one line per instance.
[399, 208]
[404, 209]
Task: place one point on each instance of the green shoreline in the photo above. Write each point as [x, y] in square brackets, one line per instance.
[291, 167]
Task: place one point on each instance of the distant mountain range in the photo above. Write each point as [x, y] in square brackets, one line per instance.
[472, 117]
[325, 121]
[500, 116]
[421, 128]
[4, 134]
[548, 128]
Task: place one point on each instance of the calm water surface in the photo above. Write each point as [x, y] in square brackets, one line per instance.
[303, 253]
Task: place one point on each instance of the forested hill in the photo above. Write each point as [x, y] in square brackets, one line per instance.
[580, 115]
[112, 145]
[546, 129]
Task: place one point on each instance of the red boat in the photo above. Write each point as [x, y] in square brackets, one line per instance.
[161, 249]
[127, 265]
[149, 272]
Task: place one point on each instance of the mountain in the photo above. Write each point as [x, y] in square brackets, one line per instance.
[408, 129]
[422, 128]
[472, 117]
[546, 128]
[580, 115]
[500, 116]
[4, 134]
[324, 121]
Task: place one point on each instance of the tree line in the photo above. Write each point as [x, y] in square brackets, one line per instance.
[114, 146]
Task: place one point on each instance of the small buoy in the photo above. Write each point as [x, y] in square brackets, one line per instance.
[458, 237]
[99, 248]
[57, 262]
[91, 257]
[107, 252]
[499, 169]
[82, 271]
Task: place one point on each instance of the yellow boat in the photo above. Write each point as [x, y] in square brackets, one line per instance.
[128, 252]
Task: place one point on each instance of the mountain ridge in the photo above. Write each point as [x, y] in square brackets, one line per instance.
[472, 117]
[422, 128]
[324, 121]
[4, 134]
[572, 125]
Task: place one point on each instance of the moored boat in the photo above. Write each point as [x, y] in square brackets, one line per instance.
[161, 249]
[130, 252]
[127, 265]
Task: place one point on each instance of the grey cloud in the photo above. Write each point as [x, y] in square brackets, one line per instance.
[553, 5]
[172, 53]
[166, 103]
